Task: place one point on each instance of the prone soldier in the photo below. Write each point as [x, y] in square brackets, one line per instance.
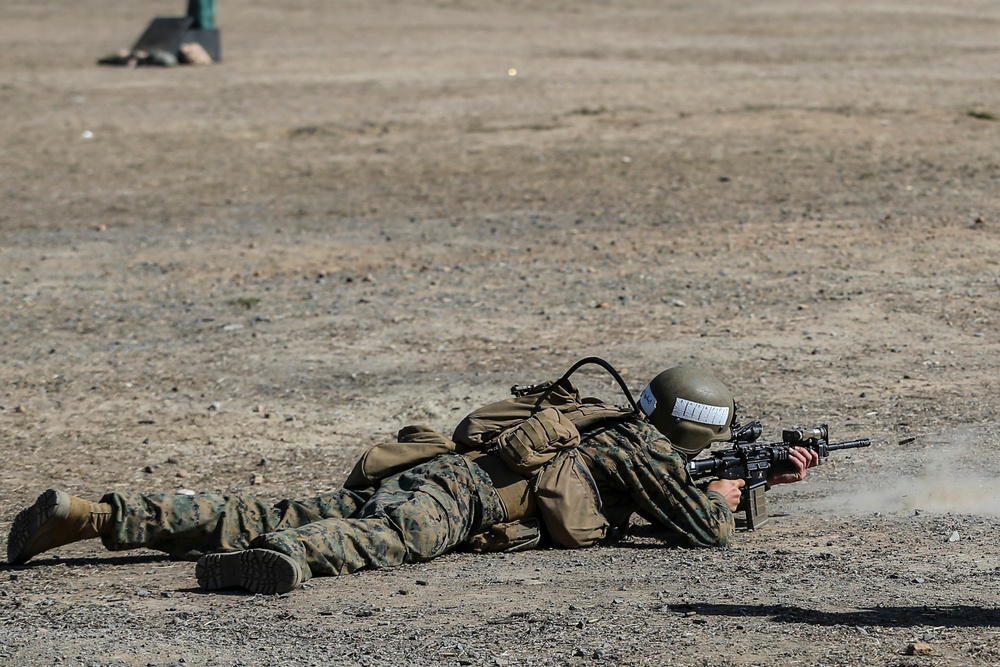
[545, 466]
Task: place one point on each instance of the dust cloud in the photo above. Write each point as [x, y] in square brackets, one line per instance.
[952, 480]
[931, 494]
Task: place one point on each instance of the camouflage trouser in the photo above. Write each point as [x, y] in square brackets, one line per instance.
[413, 516]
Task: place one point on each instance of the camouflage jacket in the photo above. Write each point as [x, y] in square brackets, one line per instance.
[637, 471]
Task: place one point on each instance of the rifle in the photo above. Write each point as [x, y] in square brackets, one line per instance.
[752, 461]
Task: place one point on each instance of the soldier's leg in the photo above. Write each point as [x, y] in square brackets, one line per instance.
[180, 525]
[414, 516]
[188, 526]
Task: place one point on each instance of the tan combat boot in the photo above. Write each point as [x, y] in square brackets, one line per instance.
[55, 519]
[257, 570]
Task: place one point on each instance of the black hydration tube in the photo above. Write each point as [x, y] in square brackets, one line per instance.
[610, 369]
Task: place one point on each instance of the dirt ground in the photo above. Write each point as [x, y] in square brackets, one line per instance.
[236, 278]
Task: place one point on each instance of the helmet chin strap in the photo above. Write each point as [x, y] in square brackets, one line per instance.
[611, 370]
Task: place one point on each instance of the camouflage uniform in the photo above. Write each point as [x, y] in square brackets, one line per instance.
[637, 471]
[422, 512]
[413, 516]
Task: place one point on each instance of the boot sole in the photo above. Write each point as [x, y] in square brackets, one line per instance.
[31, 525]
[257, 570]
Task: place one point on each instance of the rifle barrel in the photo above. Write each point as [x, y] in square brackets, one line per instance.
[850, 444]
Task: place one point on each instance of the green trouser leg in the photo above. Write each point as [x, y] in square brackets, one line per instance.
[188, 526]
[203, 13]
[414, 516]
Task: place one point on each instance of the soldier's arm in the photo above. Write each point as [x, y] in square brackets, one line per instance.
[704, 518]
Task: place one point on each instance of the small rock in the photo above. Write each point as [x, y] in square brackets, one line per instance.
[256, 479]
[954, 537]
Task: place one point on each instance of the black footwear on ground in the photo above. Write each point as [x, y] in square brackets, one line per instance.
[257, 570]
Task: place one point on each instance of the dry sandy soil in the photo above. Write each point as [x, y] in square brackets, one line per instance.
[373, 214]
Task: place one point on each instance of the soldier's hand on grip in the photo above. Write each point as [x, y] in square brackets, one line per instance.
[799, 460]
[732, 489]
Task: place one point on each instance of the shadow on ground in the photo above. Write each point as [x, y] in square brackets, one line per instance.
[949, 615]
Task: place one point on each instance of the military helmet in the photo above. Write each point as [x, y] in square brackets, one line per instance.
[690, 406]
